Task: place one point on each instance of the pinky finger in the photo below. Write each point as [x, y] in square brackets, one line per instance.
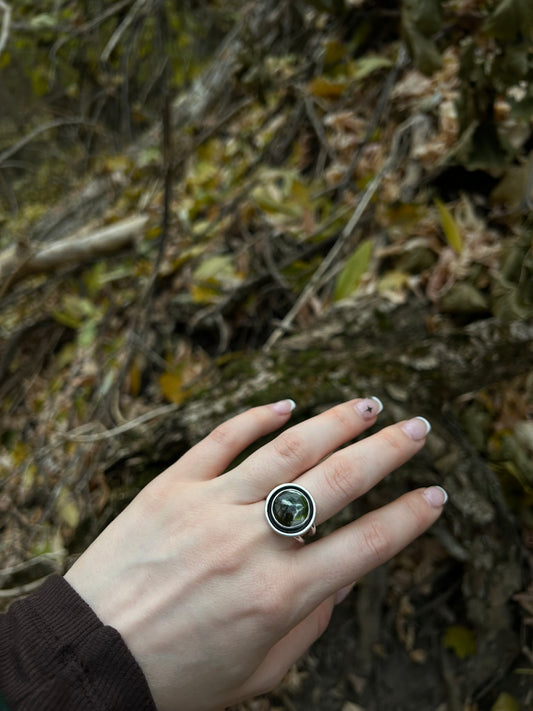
[352, 551]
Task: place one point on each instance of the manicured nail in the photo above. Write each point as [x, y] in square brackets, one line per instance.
[417, 428]
[369, 407]
[343, 593]
[283, 407]
[436, 496]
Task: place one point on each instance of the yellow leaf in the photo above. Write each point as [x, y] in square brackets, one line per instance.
[461, 640]
[353, 271]
[327, 88]
[5, 60]
[171, 387]
[154, 232]
[118, 163]
[450, 227]
[334, 51]
[204, 294]
[134, 378]
[505, 702]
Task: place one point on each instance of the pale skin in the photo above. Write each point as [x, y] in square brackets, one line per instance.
[214, 605]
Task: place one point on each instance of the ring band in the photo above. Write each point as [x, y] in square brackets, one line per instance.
[290, 511]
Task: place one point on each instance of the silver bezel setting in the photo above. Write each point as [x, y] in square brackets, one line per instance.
[306, 527]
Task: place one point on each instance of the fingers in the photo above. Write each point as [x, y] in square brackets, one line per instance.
[354, 470]
[347, 554]
[301, 447]
[214, 453]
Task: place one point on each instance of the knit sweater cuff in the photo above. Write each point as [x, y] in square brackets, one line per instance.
[56, 654]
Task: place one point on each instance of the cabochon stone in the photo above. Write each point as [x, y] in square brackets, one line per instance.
[290, 508]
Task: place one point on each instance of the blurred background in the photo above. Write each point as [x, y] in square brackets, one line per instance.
[209, 205]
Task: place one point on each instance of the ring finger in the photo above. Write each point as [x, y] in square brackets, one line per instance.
[354, 470]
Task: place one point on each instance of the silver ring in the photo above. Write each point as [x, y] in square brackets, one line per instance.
[290, 511]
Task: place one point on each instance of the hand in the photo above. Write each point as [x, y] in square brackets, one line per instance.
[214, 605]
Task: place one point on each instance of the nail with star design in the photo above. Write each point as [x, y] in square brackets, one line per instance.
[369, 407]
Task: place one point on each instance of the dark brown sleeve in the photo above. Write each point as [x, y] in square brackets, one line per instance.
[56, 655]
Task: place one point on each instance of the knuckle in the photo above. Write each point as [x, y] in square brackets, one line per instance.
[392, 440]
[338, 475]
[376, 541]
[290, 446]
[223, 435]
[340, 414]
[417, 513]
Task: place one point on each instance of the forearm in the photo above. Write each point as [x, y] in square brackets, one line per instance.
[56, 654]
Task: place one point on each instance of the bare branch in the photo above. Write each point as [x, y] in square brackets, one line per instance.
[72, 250]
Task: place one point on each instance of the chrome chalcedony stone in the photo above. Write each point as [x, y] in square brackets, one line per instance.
[290, 510]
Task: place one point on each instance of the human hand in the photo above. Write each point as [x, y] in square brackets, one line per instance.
[214, 605]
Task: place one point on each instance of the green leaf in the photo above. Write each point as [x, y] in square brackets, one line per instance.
[43, 22]
[361, 68]
[450, 227]
[353, 271]
[461, 640]
[216, 269]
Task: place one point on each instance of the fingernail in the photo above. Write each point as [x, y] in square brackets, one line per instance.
[417, 428]
[283, 407]
[369, 407]
[436, 496]
[343, 593]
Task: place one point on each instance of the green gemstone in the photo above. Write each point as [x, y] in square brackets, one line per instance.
[290, 508]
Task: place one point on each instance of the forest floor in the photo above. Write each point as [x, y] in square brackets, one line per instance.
[311, 165]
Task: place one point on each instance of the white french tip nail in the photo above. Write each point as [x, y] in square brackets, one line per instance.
[283, 407]
[436, 496]
[380, 404]
[427, 423]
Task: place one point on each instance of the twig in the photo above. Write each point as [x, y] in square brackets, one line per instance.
[380, 108]
[314, 283]
[6, 23]
[36, 560]
[22, 589]
[40, 129]
[117, 34]
[75, 435]
[317, 127]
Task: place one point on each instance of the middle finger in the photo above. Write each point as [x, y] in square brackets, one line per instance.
[301, 447]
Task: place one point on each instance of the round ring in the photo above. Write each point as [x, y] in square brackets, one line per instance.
[290, 511]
